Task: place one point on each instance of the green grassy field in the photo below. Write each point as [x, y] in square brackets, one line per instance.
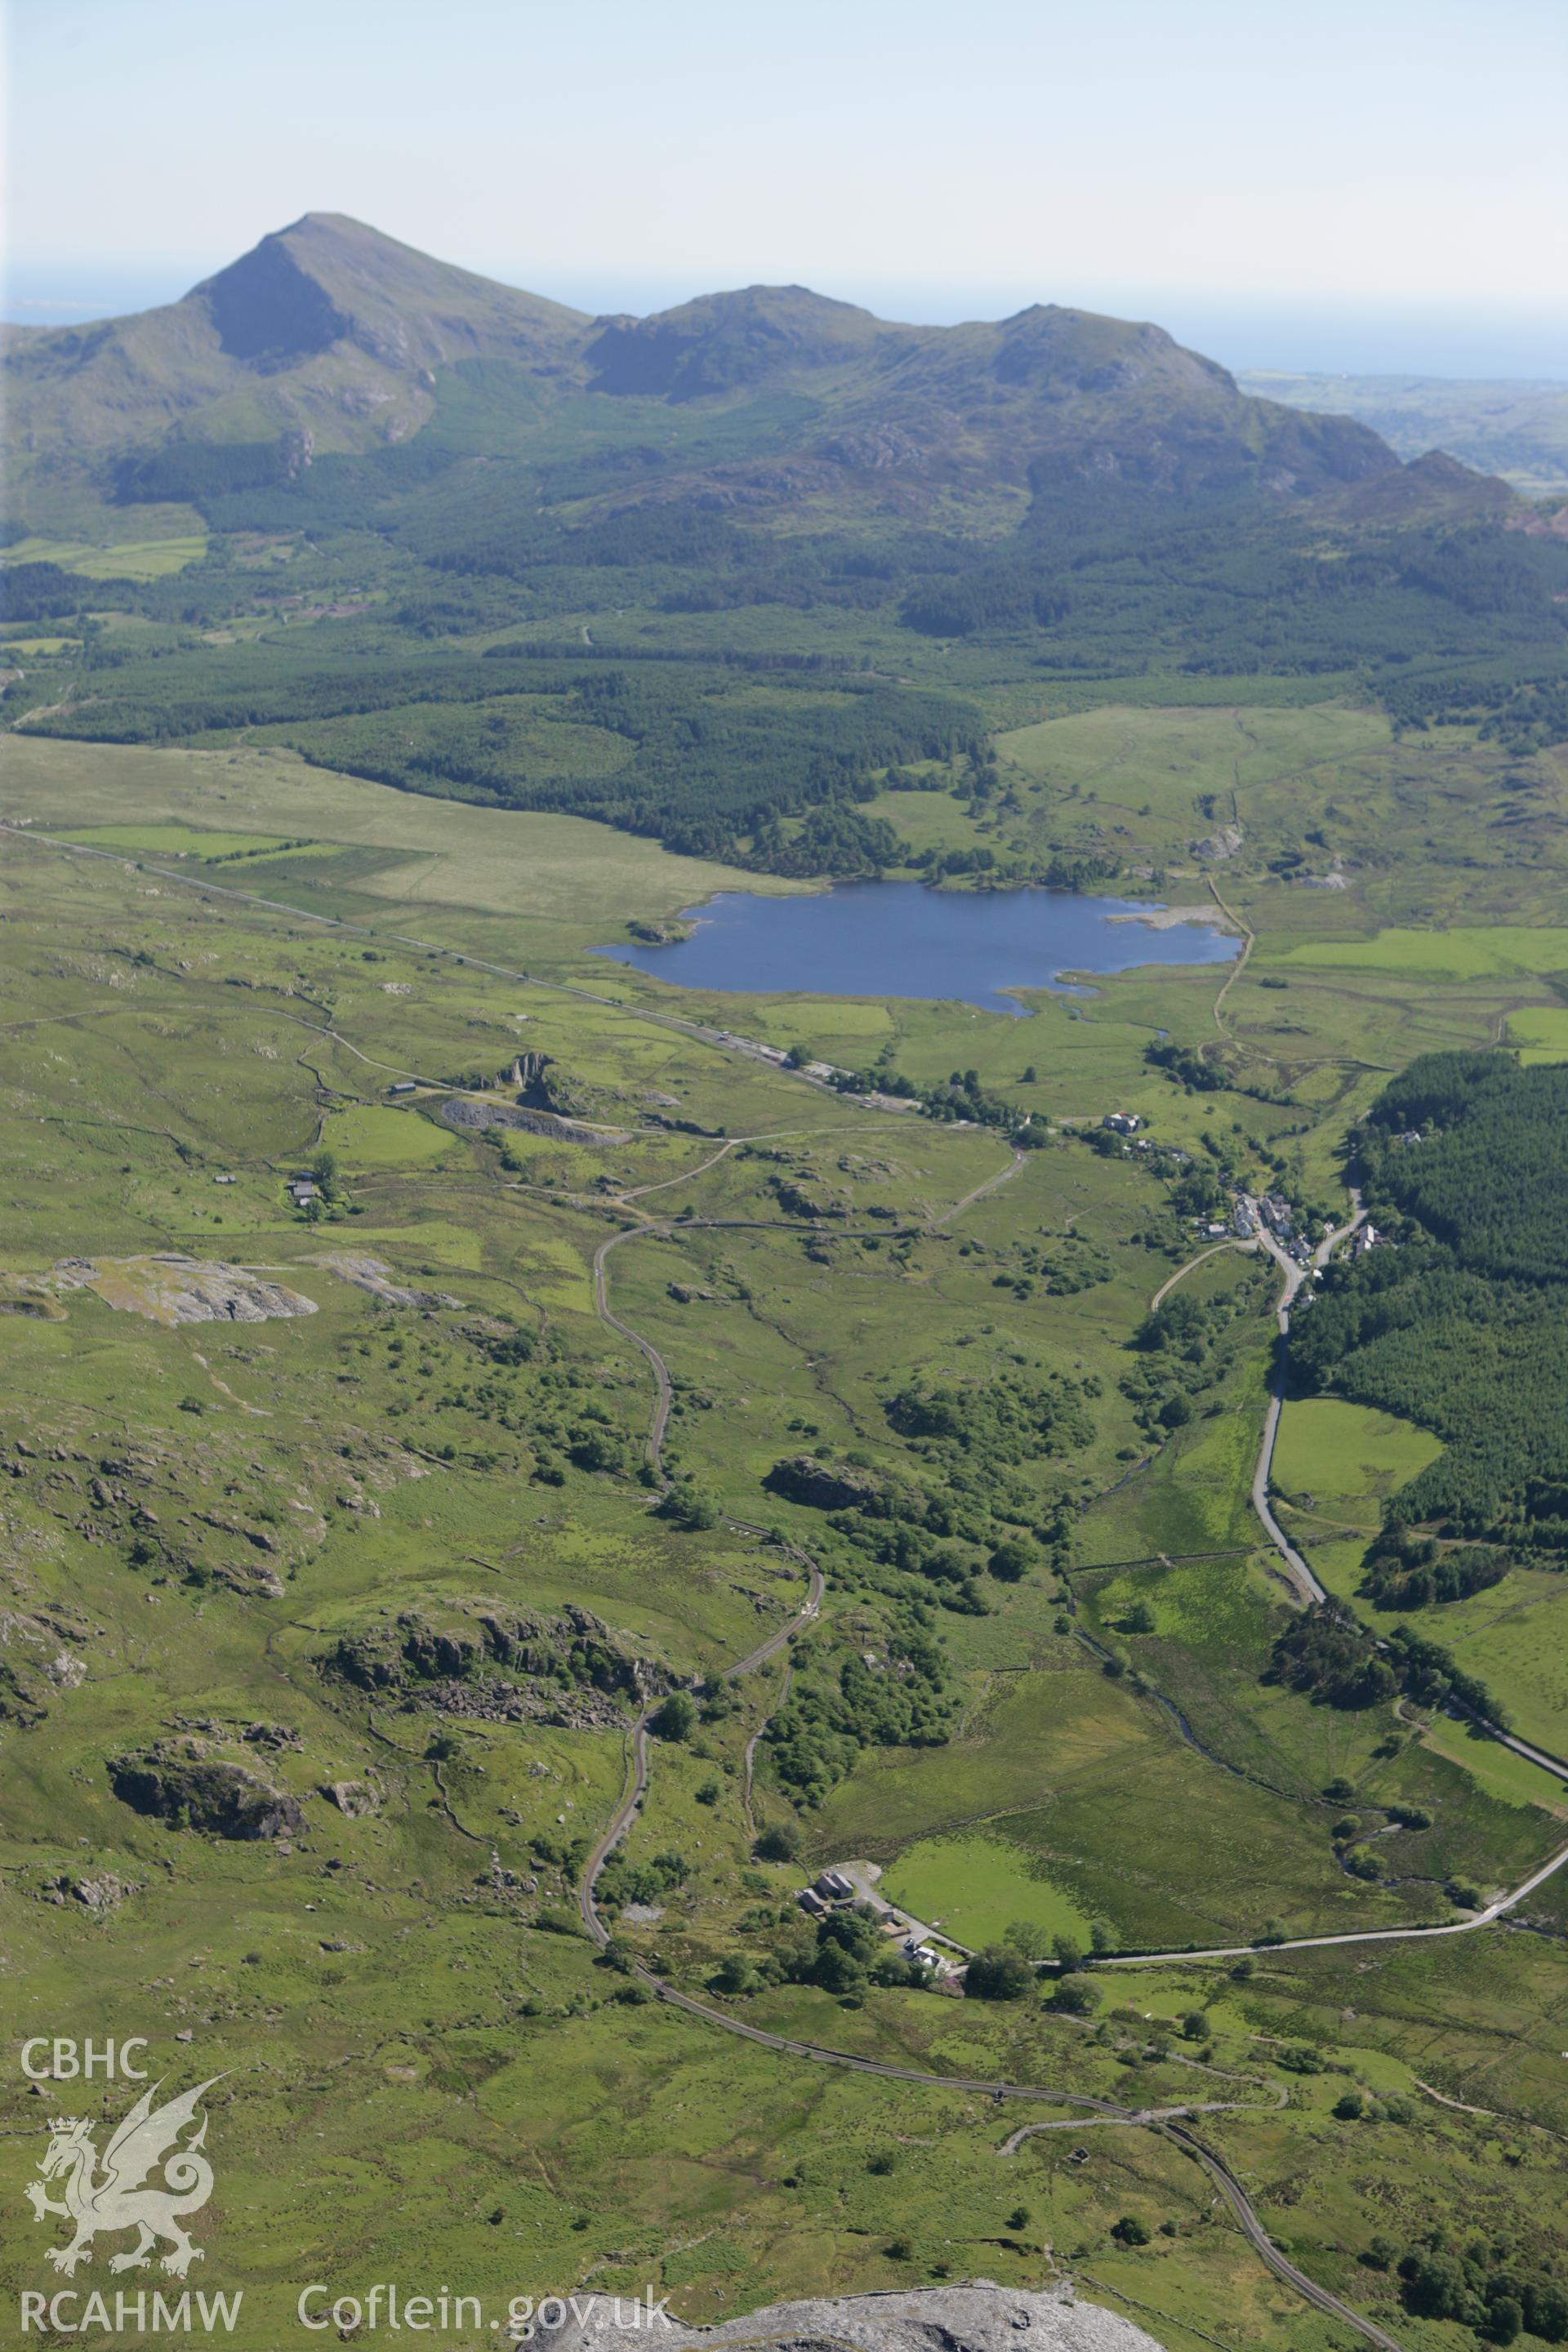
[536, 868]
[975, 1887]
[1540, 1035]
[371, 1137]
[1334, 1466]
[183, 841]
[203, 1513]
[1347, 1457]
[126, 559]
[1462, 953]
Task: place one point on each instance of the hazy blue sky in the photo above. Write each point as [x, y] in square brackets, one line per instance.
[1336, 182]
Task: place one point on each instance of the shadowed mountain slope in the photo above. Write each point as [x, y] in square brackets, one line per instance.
[327, 328]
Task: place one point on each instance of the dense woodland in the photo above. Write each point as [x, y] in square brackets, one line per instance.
[717, 750]
[1324, 1652]
[708, 761]
[1460, 1324]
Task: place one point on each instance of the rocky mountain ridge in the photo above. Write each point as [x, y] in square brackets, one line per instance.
[329, 337]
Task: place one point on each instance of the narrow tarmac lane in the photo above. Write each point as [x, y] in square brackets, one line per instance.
[626, 1813]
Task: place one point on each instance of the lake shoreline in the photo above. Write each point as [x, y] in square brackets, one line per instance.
[904, 940]
[1166, 918]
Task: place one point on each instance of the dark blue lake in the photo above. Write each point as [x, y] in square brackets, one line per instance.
[898, 939]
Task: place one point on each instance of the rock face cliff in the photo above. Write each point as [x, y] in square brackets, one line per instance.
[980, 2317]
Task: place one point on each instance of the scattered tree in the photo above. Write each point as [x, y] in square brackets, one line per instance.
[677, 1718]
[998, 1973]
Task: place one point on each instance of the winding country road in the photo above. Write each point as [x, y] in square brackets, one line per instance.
[1496, 1909]
[1170, 2122]
[1306, 1585]
[1308, 1588]
[1252, 2228]
[663, 1394]
[1248, 942]
[660, 1230]
[1015, 2140]
[1167, 2123]
[816, 1586]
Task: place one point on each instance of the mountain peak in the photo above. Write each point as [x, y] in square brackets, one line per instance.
[328, 277]
[1049, 341]
[345, 222]
[267, 304]
[719, 342]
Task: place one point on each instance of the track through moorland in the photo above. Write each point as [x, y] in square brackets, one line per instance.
[1169, 2123]
[733, 1046]
[723, 1040]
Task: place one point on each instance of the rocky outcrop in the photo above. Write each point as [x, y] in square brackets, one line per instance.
[469, 1117]
[275, 1736]
[170, 1288]
[825, 1486]
[499, 1665]
[38, 1662]
[369, 1273]
[355, 1798]
[181, 1783]
[100, 1896]
[876, 451]
[981, 2317]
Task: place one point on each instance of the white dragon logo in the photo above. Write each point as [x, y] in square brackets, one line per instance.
[102, 2204]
